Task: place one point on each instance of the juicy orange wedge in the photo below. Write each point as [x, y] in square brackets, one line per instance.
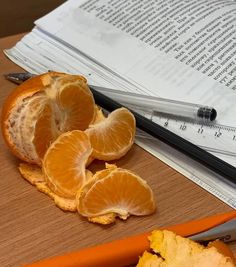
[114, 192]
[112, 137]
[42, 108]
[64, 163]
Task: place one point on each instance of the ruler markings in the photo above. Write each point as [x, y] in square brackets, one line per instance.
[212, 136]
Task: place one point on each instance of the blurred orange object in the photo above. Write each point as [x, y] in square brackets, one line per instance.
[126, 251]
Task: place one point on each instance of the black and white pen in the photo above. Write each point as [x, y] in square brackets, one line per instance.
[156, 105]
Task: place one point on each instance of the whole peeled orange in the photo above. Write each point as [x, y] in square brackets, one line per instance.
[42, 108]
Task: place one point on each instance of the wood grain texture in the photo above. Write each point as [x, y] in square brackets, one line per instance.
[32, 227]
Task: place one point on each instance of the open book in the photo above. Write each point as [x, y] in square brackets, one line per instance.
[181, 50]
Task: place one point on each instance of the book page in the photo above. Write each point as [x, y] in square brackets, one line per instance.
[183, 50]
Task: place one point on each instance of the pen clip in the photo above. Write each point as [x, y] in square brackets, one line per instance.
[19, 77]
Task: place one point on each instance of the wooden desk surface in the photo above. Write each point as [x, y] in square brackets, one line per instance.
[32, 227]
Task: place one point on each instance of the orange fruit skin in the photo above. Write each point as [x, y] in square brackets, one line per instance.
[223, 249]
[26, 90]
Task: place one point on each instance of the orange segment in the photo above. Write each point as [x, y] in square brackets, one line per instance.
[112, 137]
[115, 190]
[64, 163]
[75, 102]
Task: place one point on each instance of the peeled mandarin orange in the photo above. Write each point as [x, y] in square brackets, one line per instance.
[113, 136]
[64, 163]
[114, 192]
[42, 108]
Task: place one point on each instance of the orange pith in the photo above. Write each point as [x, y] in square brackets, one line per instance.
[64, 163]
[115, 190]
[23, 91]
[42, 108]
[45, 132]
[112, 137]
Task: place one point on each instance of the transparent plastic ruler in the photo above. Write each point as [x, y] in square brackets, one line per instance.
[212, 137]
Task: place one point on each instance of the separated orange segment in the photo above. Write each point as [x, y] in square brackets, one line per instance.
[64, 163]
[115, 191]
[112, 137]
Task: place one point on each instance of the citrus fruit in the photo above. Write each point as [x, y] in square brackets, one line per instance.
[65, 161]
[174, 250]
[114, 192]
[223, 249]
[113, 136]
[42, 108]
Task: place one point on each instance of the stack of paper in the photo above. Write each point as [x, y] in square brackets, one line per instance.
[181, 50]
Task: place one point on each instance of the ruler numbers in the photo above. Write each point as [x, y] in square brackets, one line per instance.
[183, 127]
[213, 137]
[200, 130]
